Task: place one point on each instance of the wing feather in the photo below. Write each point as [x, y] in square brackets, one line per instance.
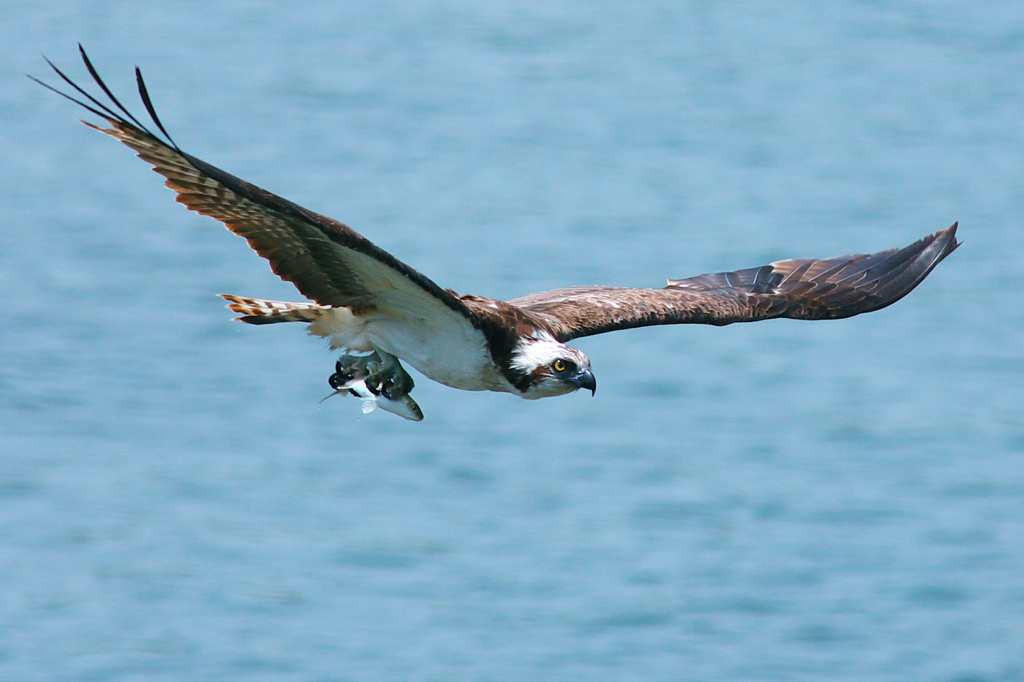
[326, 260]
[804, 289]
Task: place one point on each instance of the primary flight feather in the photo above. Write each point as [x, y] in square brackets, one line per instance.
[380, 311]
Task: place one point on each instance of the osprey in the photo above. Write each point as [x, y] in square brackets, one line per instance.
[379, 311]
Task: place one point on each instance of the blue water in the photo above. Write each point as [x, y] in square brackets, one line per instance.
[779, 501]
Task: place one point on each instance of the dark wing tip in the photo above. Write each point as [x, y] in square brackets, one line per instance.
[875, 281]
[932, 250]
[112, 110]
[949, 235]
[148, 102]
[827, 288]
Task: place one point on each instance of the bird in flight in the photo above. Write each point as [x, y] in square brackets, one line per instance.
[379, 312]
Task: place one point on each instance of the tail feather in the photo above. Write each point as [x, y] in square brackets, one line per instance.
[259, 311]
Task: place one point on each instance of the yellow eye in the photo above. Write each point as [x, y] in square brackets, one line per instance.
[559, 365]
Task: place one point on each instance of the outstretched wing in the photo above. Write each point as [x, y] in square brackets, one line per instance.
[327, 261]
[804, 289]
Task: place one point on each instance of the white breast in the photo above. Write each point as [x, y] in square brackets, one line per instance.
[455, 355]
[437, 341]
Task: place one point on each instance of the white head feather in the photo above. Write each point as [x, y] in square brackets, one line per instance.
[534, 356]
[538, 351]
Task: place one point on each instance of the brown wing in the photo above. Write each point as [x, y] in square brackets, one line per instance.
[327, 261]
[804, 289]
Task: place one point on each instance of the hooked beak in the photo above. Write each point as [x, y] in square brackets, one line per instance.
[586, 380]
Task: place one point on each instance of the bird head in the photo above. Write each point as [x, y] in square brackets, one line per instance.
[550, 368]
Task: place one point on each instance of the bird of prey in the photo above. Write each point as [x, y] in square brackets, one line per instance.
[379, 312]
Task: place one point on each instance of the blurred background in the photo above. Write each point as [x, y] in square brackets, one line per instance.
[781, 501]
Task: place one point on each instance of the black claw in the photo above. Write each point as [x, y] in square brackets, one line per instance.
[381, 376]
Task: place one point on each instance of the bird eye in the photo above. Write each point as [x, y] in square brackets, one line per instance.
[563, 365]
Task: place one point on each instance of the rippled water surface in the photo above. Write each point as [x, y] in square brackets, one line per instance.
[779, 501]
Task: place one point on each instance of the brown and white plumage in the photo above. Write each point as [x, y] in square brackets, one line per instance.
[367, 301]
[803, 289]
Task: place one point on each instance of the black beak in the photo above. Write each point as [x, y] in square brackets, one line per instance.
[586, 380]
